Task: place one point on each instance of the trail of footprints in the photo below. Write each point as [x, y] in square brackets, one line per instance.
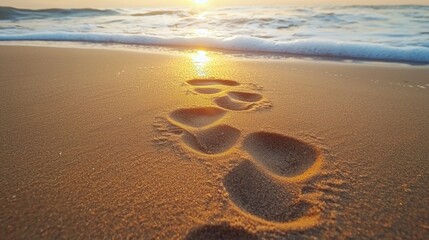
[264, 187]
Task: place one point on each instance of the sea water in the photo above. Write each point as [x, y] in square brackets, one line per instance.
[383, 33]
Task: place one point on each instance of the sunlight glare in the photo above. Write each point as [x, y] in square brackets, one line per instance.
[200, 57]
[200, 1]
[200, 60]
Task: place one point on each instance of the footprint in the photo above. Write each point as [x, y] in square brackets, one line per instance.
[262, 196]
[211, 82]
[221, 231]
[226, 102]
[215, 140]
[207, 90]
[197, 117]
[245, 96]
[282, 155]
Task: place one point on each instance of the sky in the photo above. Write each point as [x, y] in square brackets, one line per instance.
[189, 3]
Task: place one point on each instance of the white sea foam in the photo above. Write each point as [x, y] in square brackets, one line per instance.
[307, 47]
[385, 33]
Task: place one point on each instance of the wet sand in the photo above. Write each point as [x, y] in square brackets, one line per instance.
[120, 144]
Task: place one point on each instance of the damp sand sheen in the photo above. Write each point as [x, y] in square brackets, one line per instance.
[139, 145]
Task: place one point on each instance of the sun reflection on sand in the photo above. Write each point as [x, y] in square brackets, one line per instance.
[200, 60]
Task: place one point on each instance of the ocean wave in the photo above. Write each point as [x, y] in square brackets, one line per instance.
[10, 13]
[161, 12]
[381, 7]
[306, 47]
[385, 33]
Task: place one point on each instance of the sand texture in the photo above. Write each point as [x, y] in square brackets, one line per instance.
[99, 144]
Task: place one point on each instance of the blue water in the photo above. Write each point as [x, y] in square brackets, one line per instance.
[382, 33]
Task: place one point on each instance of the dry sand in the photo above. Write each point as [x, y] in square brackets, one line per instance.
[113, 144]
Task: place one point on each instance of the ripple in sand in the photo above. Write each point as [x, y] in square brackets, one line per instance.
[226, 102]
[207, 90]
[245, 96]
[262, 196]
[197, 117]
[282, 155]
[221, 231]
[214, 140]
[212, 82]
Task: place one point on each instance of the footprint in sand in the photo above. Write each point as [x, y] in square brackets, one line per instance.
[245, 96]
[282, 155]
[268, 187]
[197, 117]
[208, 90]
[261, 195]
[212, 82]
[215, 140]
[227, 103]
[233, 100]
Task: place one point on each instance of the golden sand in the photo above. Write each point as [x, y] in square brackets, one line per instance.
[115, 144]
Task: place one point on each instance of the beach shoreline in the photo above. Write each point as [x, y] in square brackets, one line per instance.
[98, 143]
[181, 50]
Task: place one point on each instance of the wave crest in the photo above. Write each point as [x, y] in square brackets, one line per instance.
[10, 13]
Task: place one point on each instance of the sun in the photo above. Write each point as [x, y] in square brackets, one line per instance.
[200, 1]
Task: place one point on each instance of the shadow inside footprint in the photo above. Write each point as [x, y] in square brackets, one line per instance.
[245, 96]
[261, 195]
[207, 90]
[212, 82]
[218, 232]
[197, 117]
[283, 155]
[214, 140]
[230, 104]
